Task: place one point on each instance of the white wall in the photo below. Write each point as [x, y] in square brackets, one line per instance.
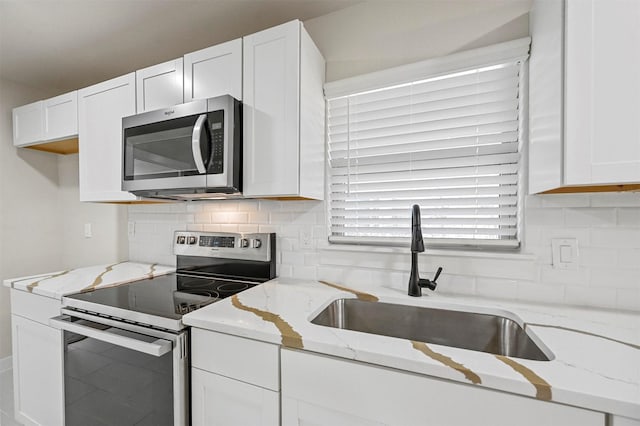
[41, 219]
[379, 35]
[29, 215]
[369, 37]
[108, 222]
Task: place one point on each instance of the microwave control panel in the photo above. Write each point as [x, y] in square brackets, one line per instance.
[216, 125]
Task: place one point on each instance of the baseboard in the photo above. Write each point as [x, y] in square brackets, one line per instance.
[5, 363]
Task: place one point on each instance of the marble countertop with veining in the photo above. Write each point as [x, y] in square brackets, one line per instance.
[596, 353]
[62, 283]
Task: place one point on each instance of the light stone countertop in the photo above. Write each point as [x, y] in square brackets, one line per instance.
[596, 362]
[62, 283]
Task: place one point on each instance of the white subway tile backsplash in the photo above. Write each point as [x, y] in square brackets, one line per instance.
[293, 257]
[551, 275]
[615, 238]
[497, 287]
[229, 217]
[222, 206]
[629, 217]
[544, 217]
[269, 228]
[345, 276]
[456, 284]
[594, 297]
[564, 200]
[607, 227]
[281, 217]
[592, 256]
[539, 292]
[305, 272]
[629, 258]
[247, 228]
[628, 299]
[589, 217]
[615, 199]
[258, 218]
[211, 228]
[615, 278]
[202, 217]
[583, 235]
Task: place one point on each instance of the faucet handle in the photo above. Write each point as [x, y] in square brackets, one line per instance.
[431, 284]
[435, 278]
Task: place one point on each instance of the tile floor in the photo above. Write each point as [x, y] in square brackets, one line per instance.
[6, 399]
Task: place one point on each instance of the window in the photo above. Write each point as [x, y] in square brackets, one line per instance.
[445, 134]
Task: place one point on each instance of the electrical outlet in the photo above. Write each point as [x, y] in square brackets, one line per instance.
[131, 229]
[306, 239]
[564, 253]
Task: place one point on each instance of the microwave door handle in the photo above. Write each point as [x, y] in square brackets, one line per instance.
[156, 348]
[195, 143]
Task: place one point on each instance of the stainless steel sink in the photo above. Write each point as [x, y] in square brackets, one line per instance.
[482, 332]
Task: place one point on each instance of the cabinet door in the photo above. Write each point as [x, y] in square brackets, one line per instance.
[60, 115]
[301, 413]
[373, 394]
[159, 86]
[271, 111]
[602, 115]
[27, 124]
[218, 400]
[37, 372]
[214, 71]
[100, 112]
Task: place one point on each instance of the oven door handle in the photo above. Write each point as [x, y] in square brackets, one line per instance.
[157, 348]
[195, 143]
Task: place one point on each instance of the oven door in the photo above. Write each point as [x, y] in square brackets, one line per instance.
[122, 374]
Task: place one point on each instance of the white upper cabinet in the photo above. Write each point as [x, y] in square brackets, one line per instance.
[283, 137]
[584, 94]
[159, 86]
[100, 112]
[214, 71]
[39, 124]
[602, 87]
[60, 116]
[27, 124]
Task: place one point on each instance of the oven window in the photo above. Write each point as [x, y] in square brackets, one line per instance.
[107, 384]
[162, 150]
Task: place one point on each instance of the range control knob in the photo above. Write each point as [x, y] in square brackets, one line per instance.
[256, 243]
[191, 239]
[244, 243]
[181, 239]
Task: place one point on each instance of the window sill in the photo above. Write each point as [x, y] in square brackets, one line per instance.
[428, 252]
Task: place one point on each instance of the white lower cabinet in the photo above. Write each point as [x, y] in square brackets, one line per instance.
[321, 390]
[234, 381]
[37, 360]
[219, 400]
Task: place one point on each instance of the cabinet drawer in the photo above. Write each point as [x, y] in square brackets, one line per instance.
[33, 306]
[242, 359]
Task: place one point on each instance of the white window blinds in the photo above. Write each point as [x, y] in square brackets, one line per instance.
[450, 144]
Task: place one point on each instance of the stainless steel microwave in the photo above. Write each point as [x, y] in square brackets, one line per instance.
[189, 151]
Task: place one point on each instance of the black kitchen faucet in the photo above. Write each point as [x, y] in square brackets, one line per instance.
[417, 246]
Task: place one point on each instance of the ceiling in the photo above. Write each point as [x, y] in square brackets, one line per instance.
[61, 45]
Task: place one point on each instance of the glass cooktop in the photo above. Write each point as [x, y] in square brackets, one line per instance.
[164, 297]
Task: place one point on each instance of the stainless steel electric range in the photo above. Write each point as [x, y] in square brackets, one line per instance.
[126, 350]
